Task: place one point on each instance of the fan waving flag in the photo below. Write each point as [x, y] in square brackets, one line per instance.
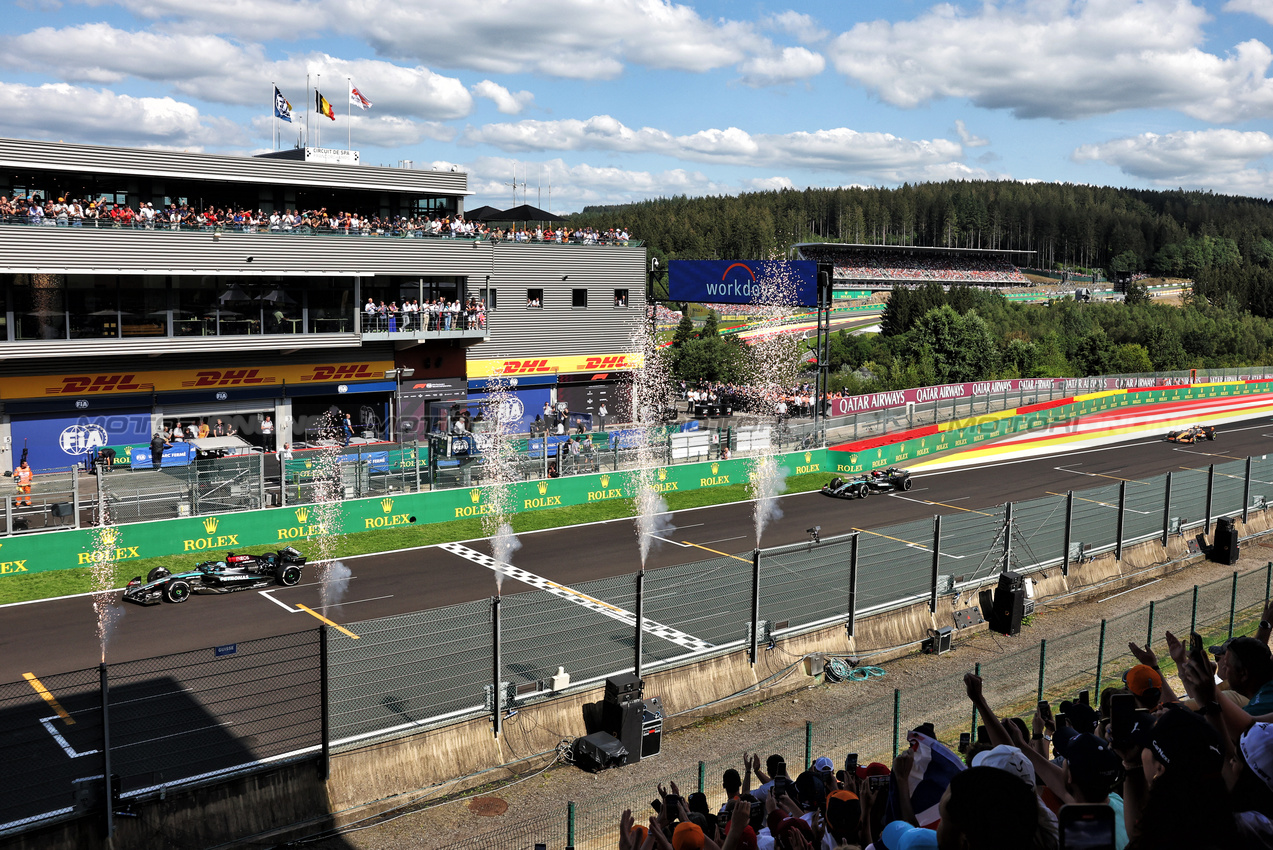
[356, 98]
[282, 107]
[933, 768]
[324, 106]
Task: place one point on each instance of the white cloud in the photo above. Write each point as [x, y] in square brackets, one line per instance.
[1259, 8]
[785, 66]
[969, 140]
[504, 100]
[71, 113]
[1208, 158]
[383, 131]
[217, 70]
[800, 25]
[881, 154]
[767, 184]
[1060, 59]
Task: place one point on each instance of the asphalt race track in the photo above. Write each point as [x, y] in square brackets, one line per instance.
[56, 636]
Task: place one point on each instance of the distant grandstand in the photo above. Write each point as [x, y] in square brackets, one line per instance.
[880, 266]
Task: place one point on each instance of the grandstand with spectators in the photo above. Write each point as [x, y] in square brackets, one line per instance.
[873, 266]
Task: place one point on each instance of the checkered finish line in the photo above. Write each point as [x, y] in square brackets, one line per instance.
[570, 595]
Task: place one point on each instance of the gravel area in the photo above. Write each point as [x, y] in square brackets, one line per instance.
[851, 716]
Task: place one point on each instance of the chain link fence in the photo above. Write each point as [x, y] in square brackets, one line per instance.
[171, 720]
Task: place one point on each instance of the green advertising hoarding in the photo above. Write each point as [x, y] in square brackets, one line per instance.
[210, 537]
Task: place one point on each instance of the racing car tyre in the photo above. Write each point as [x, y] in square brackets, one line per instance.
[289, 576]
[906, 484]
[835, 483]
[156, 574]
[177, 591]
[863, 490]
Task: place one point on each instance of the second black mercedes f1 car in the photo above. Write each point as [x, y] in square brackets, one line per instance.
[236, 572]
[878, 481]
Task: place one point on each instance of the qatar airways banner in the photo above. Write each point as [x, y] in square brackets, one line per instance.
[946, 392]
[793, 284]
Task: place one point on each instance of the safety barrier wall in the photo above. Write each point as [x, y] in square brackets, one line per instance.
[213, 535]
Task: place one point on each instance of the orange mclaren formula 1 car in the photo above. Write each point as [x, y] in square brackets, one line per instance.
[1192, 434]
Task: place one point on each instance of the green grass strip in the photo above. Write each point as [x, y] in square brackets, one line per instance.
[24, 588]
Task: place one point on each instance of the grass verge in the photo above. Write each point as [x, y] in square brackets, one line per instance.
[45, 585]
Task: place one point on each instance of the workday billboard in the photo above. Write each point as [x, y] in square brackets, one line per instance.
[793, 284]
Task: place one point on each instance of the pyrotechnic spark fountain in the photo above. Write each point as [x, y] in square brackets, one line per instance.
[649, 397]
[502, 412]
[105, 541]
[774, 364]
[329, 491]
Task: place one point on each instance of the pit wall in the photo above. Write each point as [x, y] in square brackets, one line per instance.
[291, 801]
[918, 443]
[210, 536]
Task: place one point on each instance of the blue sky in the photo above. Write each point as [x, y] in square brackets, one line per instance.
[619, 100]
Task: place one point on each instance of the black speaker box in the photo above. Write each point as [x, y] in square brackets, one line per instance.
[63, 509]
[1224, 548]
[986, 602]
[623, 687]
[599, 751]
[651, 727]
[1008, 611]
[623, 721]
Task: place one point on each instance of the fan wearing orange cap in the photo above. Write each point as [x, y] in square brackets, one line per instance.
[1146, 684]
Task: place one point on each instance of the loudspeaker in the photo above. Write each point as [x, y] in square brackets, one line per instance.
[1224, 548]
[598, 751]
[1009, 604]
[623, 687]
[652, 727]
[986, 601]
[63, 509]
[623, 721]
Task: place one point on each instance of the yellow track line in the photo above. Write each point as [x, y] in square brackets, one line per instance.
[953, 507]
[49, 698]
[336, 626]
[1081, 499]
[717, 552]
[886, 537]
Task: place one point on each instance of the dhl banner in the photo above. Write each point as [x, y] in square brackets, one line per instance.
[478, 369]
[99, 383]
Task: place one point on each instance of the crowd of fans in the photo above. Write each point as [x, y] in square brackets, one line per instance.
[867, 264]
[1143, 769]
[796, 402]
[75, 212]
[440, 314]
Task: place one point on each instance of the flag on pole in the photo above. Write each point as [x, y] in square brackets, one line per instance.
[356, 98]
[282, 107]
[323, 105]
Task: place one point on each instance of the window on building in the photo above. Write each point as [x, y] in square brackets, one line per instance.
[535, 299]
[489, 299]
[620, 298]
[578, 298]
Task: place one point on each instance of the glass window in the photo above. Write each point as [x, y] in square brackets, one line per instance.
[620, 298]
[578, 298]
[331, 304]
[39, 306]
[535, 298]
[143, 304]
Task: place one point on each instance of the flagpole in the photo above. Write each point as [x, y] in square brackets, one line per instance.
[274, 112]
[349, 107]
[307, 103]
[318, 81]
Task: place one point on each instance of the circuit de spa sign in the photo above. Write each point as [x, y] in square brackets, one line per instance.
[946, 392]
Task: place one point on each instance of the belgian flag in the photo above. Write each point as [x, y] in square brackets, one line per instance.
[323, 106]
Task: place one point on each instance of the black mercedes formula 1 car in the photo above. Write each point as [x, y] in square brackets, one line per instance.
[236, 572]
[879, 481]
[1192, 434]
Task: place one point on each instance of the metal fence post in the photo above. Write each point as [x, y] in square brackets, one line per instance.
[932, 599]
[1007, 537]
[1149, 632]
[1233, 602]
[261, 479]
[808, 745]
[1246, 492]
[755, 605]
[1043, 662]
[897, 719]
[496, 696]
[640, 623]
[75, 494]
[324, 762]
[1193, 612]
[570, 825]
[1211, 482]
[702, 777]
[1100, 662]
[1166, 511]
[415, 453]
[8, 512]
[1268, 580]
[853, 583]
[1122, 515]
[973, 733]
[106, 749]
[1069, 528]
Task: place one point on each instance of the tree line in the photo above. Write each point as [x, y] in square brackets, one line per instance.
[1223, 242]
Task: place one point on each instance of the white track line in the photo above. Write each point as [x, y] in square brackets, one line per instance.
[570, 595]
[47, 723]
